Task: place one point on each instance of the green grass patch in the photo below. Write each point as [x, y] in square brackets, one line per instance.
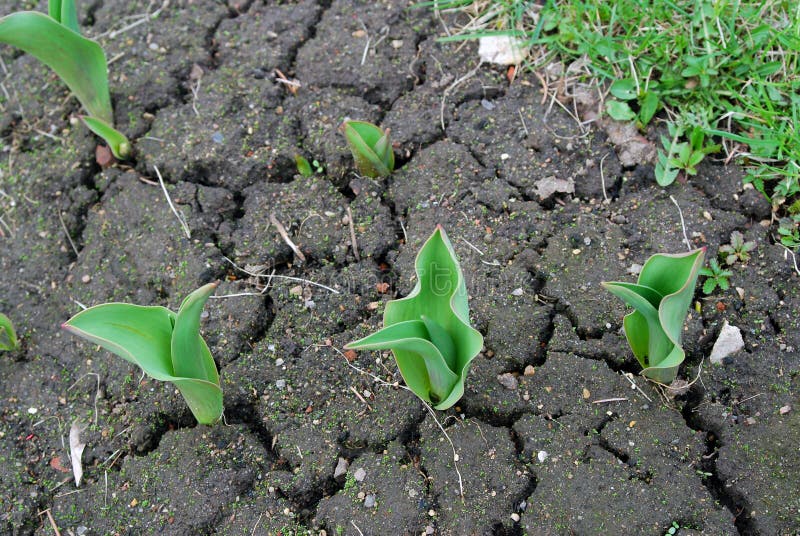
[726, 69]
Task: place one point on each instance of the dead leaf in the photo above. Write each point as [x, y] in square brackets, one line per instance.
[382, 288]
[76, 450]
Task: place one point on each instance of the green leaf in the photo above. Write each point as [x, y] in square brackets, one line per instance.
[661, 298]
[78, 61]
[64, 12]
[8, 337]
[303, 167]
[619, 111]
[648, 106]
[371, 148]
[166, 346]
[436, 312]
[624, 89]
[117, 142]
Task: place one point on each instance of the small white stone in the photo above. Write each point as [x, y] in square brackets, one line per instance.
[360, 474]
[515, 517]
[33, 411]
[517, 292]
[502, 49]
[542, 456]
[729, 342]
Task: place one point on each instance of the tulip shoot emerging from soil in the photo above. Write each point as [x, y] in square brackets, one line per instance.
[428, 331]
[167, 346]
[661, 297]
[8, 337]
[371, 148]
[55, 40]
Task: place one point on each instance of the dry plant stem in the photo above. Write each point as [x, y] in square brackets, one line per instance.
[253, 532]
[276, 276]
[356, 527]
[282, 231]
[451, 87]
[52, 521]
[603, 177]
[794, 257]
[635, 386]
[353, 234]
[66, 232]
[381, 381]
[178, 215]
[606, 400]
[683, 225]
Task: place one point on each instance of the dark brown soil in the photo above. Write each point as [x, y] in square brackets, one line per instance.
[539, 452]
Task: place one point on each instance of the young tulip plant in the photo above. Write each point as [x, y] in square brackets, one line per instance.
[8, 337]
[55, 40]
[428, 331]
[371, 148]
[661, 297]
[167, 346]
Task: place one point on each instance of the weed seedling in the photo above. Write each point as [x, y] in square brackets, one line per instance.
[661, 297]
[167, 346]
[8, 337]
[55, 40]
[681, 156]
[737, 250]
[716, 276]
[371, 148]
[428, 331]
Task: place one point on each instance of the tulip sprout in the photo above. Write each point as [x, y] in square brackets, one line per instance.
[55, 40]
[371, 148]
[8, 337]
[167, 346]
[428, 331]
[661, 297]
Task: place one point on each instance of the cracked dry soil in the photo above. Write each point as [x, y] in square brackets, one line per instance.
[538, 453]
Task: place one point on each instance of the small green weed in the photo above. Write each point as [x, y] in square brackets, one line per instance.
[716, 276]
[737, 250]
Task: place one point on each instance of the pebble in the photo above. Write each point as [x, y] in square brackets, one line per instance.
[360, 474]
[86, 278]
[515, 517]
[429, 530]
[508, 380]
[279, 362]
[517, 292]
[729, 342]
[217, 138]
[280, 384]
[542, 456]
[369, 501]
[529, 370]
[785, 409]
[341, 468]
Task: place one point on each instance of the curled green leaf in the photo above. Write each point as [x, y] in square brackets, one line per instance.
[165, 345]
[80, 62]
[8, 337]
[428, 331]
[661, 298]
[371, 148]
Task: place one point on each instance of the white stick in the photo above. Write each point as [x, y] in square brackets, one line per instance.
[171, 206]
